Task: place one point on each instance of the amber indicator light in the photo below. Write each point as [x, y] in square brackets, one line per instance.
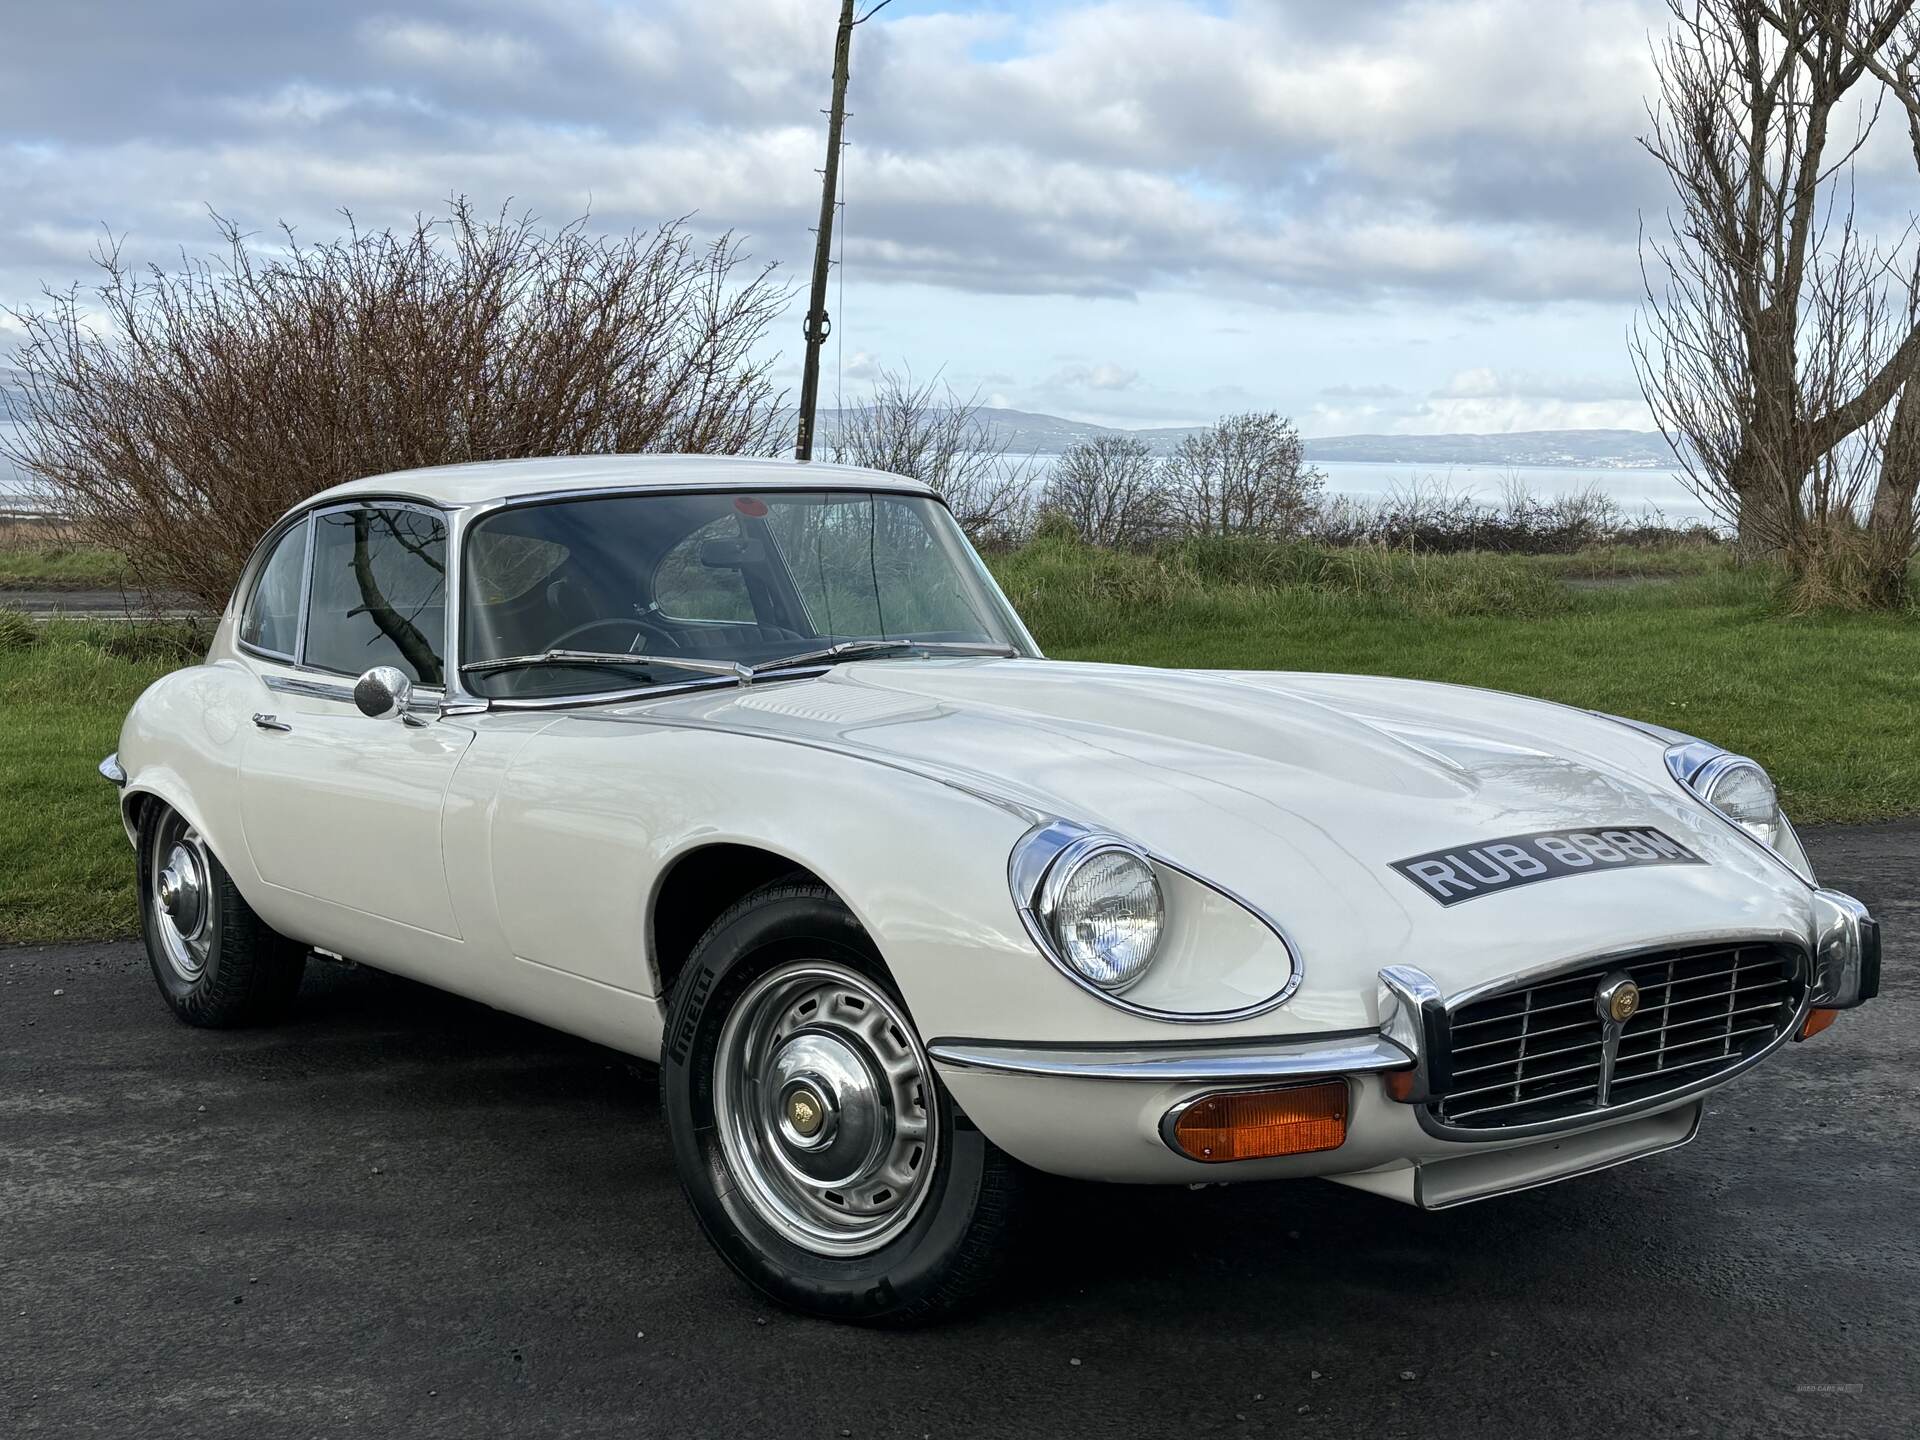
[1259, 1124]
[1816, 1021]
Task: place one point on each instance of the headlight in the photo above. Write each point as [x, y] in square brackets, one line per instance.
[1744, 793]
[1740, 790]
[1102, 905]
[1111, 917]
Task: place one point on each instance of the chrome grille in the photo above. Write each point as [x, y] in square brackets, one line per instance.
[1538, 1053]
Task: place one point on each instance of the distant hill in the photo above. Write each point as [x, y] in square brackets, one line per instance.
[1027, 433]
[1599, 449]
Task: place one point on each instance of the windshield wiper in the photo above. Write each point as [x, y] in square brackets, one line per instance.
[867, 649]
[728, 668]
[732, 669]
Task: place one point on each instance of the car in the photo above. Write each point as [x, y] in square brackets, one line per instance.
[749, 768]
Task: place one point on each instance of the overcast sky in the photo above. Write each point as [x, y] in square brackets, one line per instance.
[1412, 215]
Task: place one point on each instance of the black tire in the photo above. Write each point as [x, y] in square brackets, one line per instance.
[237, 971]
[956, 1241]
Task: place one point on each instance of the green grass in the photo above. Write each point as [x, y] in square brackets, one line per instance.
[68, 871]
[1830, 704]
[41, 566]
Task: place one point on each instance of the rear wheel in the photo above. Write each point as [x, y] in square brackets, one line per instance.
[215, 961]
[820, 1152]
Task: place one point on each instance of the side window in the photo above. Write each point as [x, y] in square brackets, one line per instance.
[271, 621]
[696, 581]
[379, 592]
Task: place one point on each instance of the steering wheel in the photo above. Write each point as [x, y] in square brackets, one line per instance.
[633, 624]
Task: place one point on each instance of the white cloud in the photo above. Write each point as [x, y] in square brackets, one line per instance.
[1268, 180]
[1092, 377]
[443, 47]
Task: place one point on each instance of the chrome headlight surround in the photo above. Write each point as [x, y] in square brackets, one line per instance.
[1739, 791]
[1063, 908]
[1040, 866]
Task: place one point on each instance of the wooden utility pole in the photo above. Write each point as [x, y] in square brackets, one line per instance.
[818, 323]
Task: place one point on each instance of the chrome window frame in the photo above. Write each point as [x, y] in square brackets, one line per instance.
[454, 696]
[319, 513]
[426, 697]
[463, 518]
[256, 571]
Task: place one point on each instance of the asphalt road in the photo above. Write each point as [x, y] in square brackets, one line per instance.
[45, 604]
[405, 1214]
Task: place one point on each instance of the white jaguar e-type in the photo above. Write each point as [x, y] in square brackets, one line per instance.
[748, 767]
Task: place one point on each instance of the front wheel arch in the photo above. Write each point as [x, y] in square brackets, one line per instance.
[223, 966]
[952, 1241]
[697, 888]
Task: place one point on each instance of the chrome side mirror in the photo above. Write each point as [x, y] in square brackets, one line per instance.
[383, 693]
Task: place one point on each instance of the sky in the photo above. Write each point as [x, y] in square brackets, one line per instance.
[1372, 215]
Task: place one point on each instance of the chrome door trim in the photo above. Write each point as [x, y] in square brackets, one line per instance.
[426, 698]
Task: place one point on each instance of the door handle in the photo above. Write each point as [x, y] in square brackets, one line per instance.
[270, 722]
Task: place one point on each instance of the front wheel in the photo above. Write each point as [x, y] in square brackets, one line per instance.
[216, 962]
[820, 1152]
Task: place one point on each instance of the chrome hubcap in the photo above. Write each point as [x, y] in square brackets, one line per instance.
[824, 1102]
[181, 897]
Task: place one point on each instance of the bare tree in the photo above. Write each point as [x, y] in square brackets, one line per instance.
[210, 399]
[927, 431]
[1768, 337]
[1893, 516]
[1245, 475]
[1111, 490]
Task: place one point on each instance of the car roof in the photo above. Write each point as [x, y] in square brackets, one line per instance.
[484, 481]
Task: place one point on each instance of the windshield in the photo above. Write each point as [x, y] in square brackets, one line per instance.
[719, 578]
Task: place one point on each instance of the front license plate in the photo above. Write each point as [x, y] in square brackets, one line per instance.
[1467, 872]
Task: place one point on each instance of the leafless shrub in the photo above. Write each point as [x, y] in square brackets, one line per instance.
[1432, 516]
[928, 432]
[1246, 475]
[1110, 490]
[205, 401]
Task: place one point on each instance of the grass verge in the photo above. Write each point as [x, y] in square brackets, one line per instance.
[1830, 704]
[40, 565]
[64, 689]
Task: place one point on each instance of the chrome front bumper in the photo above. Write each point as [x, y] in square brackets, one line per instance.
[1096, 1110]
[1254, 1062]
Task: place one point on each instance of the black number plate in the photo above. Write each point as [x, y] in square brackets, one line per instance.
[1467, 872]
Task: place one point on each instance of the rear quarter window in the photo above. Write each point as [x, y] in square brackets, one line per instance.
[271, 620]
